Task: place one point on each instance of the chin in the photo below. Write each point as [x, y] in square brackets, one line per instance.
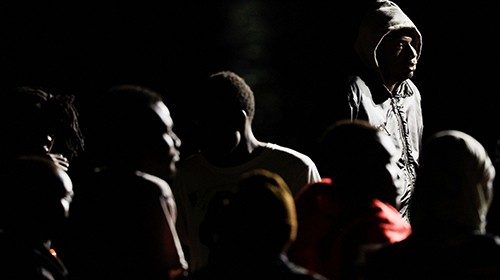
[410, 74]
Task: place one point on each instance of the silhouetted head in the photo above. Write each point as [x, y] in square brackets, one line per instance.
[361, 161]
[133, 129]
[265, 221]
[453, 191]
[317, 202]
[227, 106]
[34, 198]
[34, 122]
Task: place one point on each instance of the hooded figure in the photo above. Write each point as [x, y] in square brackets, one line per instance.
[448, 212]
[456, 186]
[389, 46]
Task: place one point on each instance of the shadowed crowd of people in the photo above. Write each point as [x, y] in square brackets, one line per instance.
[115, 199]
[130, 207]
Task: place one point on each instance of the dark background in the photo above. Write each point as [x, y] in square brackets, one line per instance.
[294, 54]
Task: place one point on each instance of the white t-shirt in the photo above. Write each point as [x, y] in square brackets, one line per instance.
[197, 181]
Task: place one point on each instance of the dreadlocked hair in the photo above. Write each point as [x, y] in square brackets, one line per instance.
[62, 117]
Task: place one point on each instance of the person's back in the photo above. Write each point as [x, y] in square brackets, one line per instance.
[448, 216]
[251, 230]
[389, 46]
[354, 212]
[34, 201]
[122, 229]
[228, 149]
[123, 219]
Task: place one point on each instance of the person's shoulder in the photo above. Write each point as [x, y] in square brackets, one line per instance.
[155, 184]
[128, 183]
[355, 83]
[275, 148]
[314, 189]
[298, 272]
[289, 153]
[411, 88]
[355, 79]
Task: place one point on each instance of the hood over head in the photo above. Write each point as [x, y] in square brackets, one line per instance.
[454, 187]
[382, 18]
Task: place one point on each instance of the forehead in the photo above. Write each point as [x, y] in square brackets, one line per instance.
[401, 34]
[162, 111]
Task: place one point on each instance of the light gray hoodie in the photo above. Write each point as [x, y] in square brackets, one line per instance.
[399, 113]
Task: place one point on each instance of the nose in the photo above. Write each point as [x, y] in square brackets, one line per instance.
[176, 145]
[177, 140]
[411, 52]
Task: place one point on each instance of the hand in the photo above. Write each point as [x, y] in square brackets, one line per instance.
[60, 161]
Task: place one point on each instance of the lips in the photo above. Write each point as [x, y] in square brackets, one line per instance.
[412, 63]
[175, 156]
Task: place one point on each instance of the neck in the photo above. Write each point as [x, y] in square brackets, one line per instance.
[390, 82]
[248, 142]
[248, 148]
[391, 85]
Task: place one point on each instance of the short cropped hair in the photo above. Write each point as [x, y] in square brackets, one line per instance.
[227, 90]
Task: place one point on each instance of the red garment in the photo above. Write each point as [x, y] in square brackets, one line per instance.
[335, 233]
[389, 220]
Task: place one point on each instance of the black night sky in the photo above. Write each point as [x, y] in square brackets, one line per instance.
[294, 54]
